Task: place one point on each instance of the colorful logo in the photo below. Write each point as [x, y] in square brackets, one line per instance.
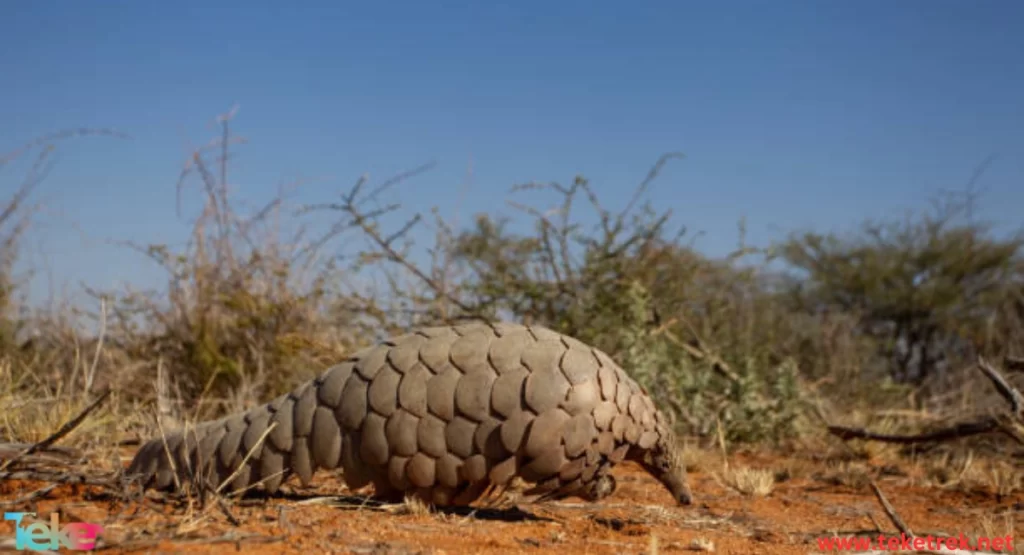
[78, 536]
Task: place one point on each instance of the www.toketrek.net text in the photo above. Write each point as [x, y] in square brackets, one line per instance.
[904, 542]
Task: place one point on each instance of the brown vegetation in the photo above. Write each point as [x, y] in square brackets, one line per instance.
[758, 352]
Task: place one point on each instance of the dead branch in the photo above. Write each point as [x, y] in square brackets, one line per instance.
[227, 512]
[50, 138]
[70, 478]
[53, 454]
[1008, 392]
[367, 222]
[904, 529]
[1004, 421]
[963, 429]
[700, 352]
[29, 498]
[890, 511]
[386, 245]
[64, 430]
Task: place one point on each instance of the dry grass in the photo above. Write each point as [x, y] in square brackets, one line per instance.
[258, 300]
[852, 474]
[255, 302]
[1004, 525]
[413, 505]
[702, 544]
[998, 477]
[754, 482]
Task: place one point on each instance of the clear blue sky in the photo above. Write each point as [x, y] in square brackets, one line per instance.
[792, 114]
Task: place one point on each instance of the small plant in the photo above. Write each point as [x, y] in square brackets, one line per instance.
[750, 481]
[415, 506]
[702, 544]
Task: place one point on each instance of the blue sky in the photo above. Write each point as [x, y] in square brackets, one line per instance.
[791, 114]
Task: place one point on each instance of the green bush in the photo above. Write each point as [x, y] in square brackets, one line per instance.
[751, 344]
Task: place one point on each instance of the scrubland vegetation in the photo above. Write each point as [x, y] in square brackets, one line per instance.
[761, 350]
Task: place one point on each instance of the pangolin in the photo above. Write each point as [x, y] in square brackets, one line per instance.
[446, 414]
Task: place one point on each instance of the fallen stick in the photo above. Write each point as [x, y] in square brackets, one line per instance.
[64, 430]
[902, 526]
[38, 494]
[52, 454]
[1003, 422]
[59, 478]
[956, 431]
[890, 511]
[1004, 388]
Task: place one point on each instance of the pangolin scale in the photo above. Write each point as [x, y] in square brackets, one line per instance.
[446, 414]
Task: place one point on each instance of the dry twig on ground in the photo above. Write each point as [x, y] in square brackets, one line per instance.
[909, 535]
[64, 430]
[1009, 422]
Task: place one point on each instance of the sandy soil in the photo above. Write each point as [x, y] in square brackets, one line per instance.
[638, 518]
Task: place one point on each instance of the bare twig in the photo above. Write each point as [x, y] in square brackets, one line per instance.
[25, 499]
[90, 375]
[890, 511]
[1004, 388]
[1004, 422]
[963, 429]
[699, 350]
[905, 530]
[651, 175]
[223, 506]
[60, 135]
[717, 364]
[51, 454]
[60, 477]
[364, 222]
[64, 430]
[392, 181]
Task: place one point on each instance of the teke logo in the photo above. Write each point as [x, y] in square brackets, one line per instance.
[79, 536]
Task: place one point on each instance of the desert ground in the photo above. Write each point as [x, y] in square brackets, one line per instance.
[748, 502]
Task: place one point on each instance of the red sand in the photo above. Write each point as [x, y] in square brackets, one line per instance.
[639, 514]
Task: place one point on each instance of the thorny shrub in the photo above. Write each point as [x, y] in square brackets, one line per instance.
[252, 305]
